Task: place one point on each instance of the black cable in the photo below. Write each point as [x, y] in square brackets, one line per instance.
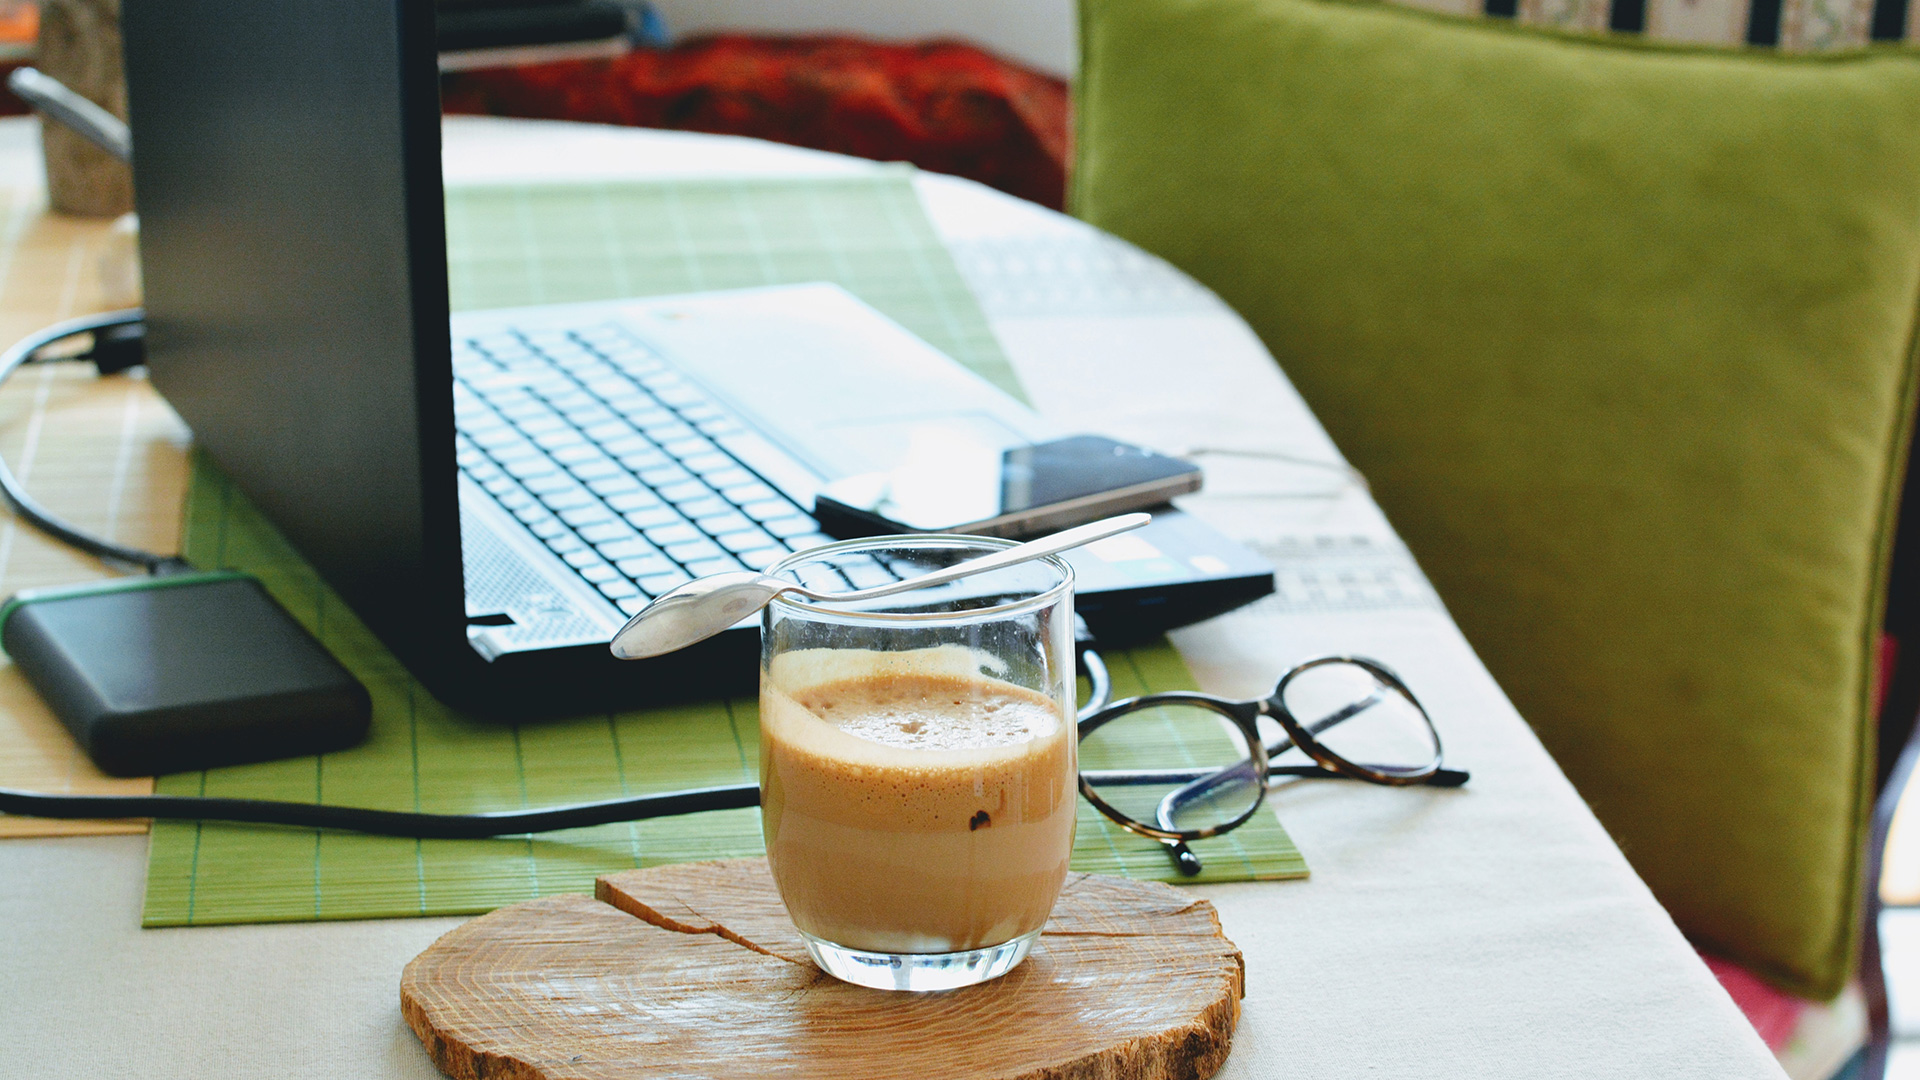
[118, 344]
[379, 822]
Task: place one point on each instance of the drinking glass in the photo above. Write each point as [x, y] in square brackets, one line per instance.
[918, 760]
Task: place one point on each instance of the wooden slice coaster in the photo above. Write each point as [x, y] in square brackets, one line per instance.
[695, 971]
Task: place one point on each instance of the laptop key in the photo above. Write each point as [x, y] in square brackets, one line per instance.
[559, 438]
[566, 542]
[618, 589]
[600, 532]
[589, 416]
[679, 533]
[627, 547]
[596, 469]
[761, 558]
[517, 450]
[642, 460]
[686, 448]
[559, 492]
[710, 466]
[615, 484]
[664, 476]
[738, 479]
[653, 517]
[650, 415]
[787, 527]
[730, 522]
[578, 451]
[527, 468]
[679, 396]
[764, 508]
[567, 499]
[548, 529]
[659, 583]
[631, 605]
[608, 383]
[708, 567]
[744, 540]
[640, 499]
[599, 572]
[582, 559]
[687, 492]
[813, 540]
[705, 508]
[693, 551]
[586, 515]
[501, 435]
[664, 433]
[542, 423]
[607, 431]
[620, 446]
[645, 566]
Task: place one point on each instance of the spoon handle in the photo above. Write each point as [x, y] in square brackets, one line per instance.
[1032, 549]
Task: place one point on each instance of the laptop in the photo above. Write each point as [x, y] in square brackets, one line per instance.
[493, 493]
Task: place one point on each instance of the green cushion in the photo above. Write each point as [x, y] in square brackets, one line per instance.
[1622, 335]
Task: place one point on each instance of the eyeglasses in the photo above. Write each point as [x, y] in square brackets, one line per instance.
[1184, 766]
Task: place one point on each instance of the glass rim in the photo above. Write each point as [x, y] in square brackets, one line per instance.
[1024, 605]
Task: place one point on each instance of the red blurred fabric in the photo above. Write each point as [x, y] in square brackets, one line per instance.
[943, 106]
[1773, 1013]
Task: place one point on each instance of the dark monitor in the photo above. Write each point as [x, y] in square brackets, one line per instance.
[287, 172]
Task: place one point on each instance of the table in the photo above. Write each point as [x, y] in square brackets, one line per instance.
[1490, 931]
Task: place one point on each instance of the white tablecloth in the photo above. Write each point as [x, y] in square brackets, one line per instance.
[1491, 931]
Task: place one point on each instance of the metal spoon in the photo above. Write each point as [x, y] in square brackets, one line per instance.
[705, 606]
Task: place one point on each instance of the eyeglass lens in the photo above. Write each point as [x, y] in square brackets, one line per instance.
[1178, 768]
[1359, 718]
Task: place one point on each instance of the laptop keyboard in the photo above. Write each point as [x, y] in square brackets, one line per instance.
[617, 462]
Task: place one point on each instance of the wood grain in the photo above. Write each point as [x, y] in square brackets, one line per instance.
[694, 971]
[80, 46]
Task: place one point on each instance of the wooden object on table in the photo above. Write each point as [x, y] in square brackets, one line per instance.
[80, 46]
[694, 970]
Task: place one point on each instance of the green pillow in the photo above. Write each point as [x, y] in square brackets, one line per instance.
[1622, 335]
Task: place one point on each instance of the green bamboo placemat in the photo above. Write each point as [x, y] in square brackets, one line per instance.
[528, 245]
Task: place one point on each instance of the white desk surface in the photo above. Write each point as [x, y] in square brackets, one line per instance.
[1492, 931]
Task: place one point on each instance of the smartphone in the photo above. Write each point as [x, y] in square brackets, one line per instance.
[952, 486]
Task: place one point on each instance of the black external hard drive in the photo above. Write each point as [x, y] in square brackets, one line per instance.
[187, 671]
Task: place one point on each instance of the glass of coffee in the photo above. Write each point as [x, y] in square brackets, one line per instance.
[918, 760]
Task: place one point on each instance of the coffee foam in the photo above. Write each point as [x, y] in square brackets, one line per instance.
[895, 709]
